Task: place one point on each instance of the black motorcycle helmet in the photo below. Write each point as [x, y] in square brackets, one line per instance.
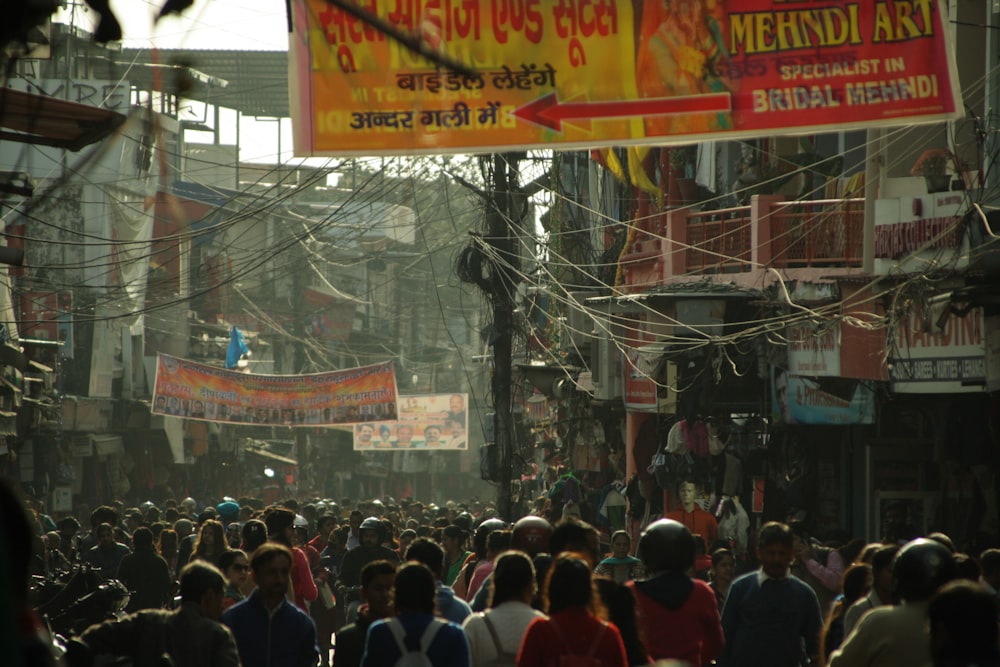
[920, 568]
[483, 531]
[666, 546]
[531, 535]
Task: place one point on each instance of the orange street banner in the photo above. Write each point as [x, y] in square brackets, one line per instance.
[430, 421]
[590, 73]
[198, 391]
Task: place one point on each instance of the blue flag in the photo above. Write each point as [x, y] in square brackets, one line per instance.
[237, 347]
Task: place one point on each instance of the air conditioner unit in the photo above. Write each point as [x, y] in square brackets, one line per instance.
[578, 326]
[606, 367]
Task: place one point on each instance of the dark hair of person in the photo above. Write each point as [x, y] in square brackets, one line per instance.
[850, 551]
[989, 561]
[426, 552]
[374, 569]
[142, 538]
[219, 544]
[883, 557]
[414, 589]
[103, 514]
[424, 531]
[254, 535]
[277, 519]
[167, 543]
[719, 554]
[453, 532]
[199, 577]
[963, 624]
[69, 523]
[943, 539]
[498, 541]
[265, 553]
[775, 532]
[855, 584]
[569, 584]
[513, 573]
[227, 559]
[968, 568]
[542, 563]
[573, 534]
[170, 515]
[621, 612]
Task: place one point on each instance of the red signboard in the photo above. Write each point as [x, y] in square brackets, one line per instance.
[589, 73]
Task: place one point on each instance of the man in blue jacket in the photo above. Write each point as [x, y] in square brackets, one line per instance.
[770, 615]
[270, 631]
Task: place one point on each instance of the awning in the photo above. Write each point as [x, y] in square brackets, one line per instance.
[47, 121]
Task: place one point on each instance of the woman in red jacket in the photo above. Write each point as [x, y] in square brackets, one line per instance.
[575, 625]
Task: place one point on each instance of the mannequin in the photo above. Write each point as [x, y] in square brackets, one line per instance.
[695, 518]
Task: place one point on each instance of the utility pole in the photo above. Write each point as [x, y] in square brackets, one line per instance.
[500, 238]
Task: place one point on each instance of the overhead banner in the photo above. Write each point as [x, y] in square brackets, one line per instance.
[584, 74]
[197, 391]
[432, 421]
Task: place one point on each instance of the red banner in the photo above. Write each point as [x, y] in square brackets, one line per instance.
[198, 391]
[589, 73]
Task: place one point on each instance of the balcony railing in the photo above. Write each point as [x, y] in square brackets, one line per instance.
[770, 232]
[826, 232]
[719, 241]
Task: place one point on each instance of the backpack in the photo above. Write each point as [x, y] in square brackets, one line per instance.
[413, 654]
[504, 658]
[587, 659]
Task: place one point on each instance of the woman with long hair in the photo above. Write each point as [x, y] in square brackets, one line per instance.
[498, 631]
[576, 624]
[211, 543]
[166, 546]
[855, 584]
[722, 574]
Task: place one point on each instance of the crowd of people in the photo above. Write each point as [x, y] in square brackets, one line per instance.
[235, 582]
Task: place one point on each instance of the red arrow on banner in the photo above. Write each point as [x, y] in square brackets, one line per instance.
[548, 112]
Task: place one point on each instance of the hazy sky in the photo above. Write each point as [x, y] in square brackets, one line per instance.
[256, 25]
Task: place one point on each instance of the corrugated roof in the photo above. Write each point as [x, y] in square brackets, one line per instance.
[256, 82]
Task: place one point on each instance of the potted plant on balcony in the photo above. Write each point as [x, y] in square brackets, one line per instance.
[933, 165]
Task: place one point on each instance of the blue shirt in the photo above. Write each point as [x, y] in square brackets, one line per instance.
[449, 648]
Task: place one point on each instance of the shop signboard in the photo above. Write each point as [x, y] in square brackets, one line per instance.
[946, 357]
[813, 351]
[802, 400]
[640, 387]
[437, 422]
[208, 393]
[522, 74]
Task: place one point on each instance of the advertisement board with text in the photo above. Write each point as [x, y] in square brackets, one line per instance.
[591, 73]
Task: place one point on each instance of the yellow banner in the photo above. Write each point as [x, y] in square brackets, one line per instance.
[592, 73]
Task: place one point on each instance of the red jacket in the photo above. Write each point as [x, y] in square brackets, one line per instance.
[302, 580]
[577, 630]
[689, 629]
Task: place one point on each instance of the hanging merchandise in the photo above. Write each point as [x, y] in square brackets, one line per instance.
[695, 437]
[611, 509]
[675, 438]
[734, 524]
